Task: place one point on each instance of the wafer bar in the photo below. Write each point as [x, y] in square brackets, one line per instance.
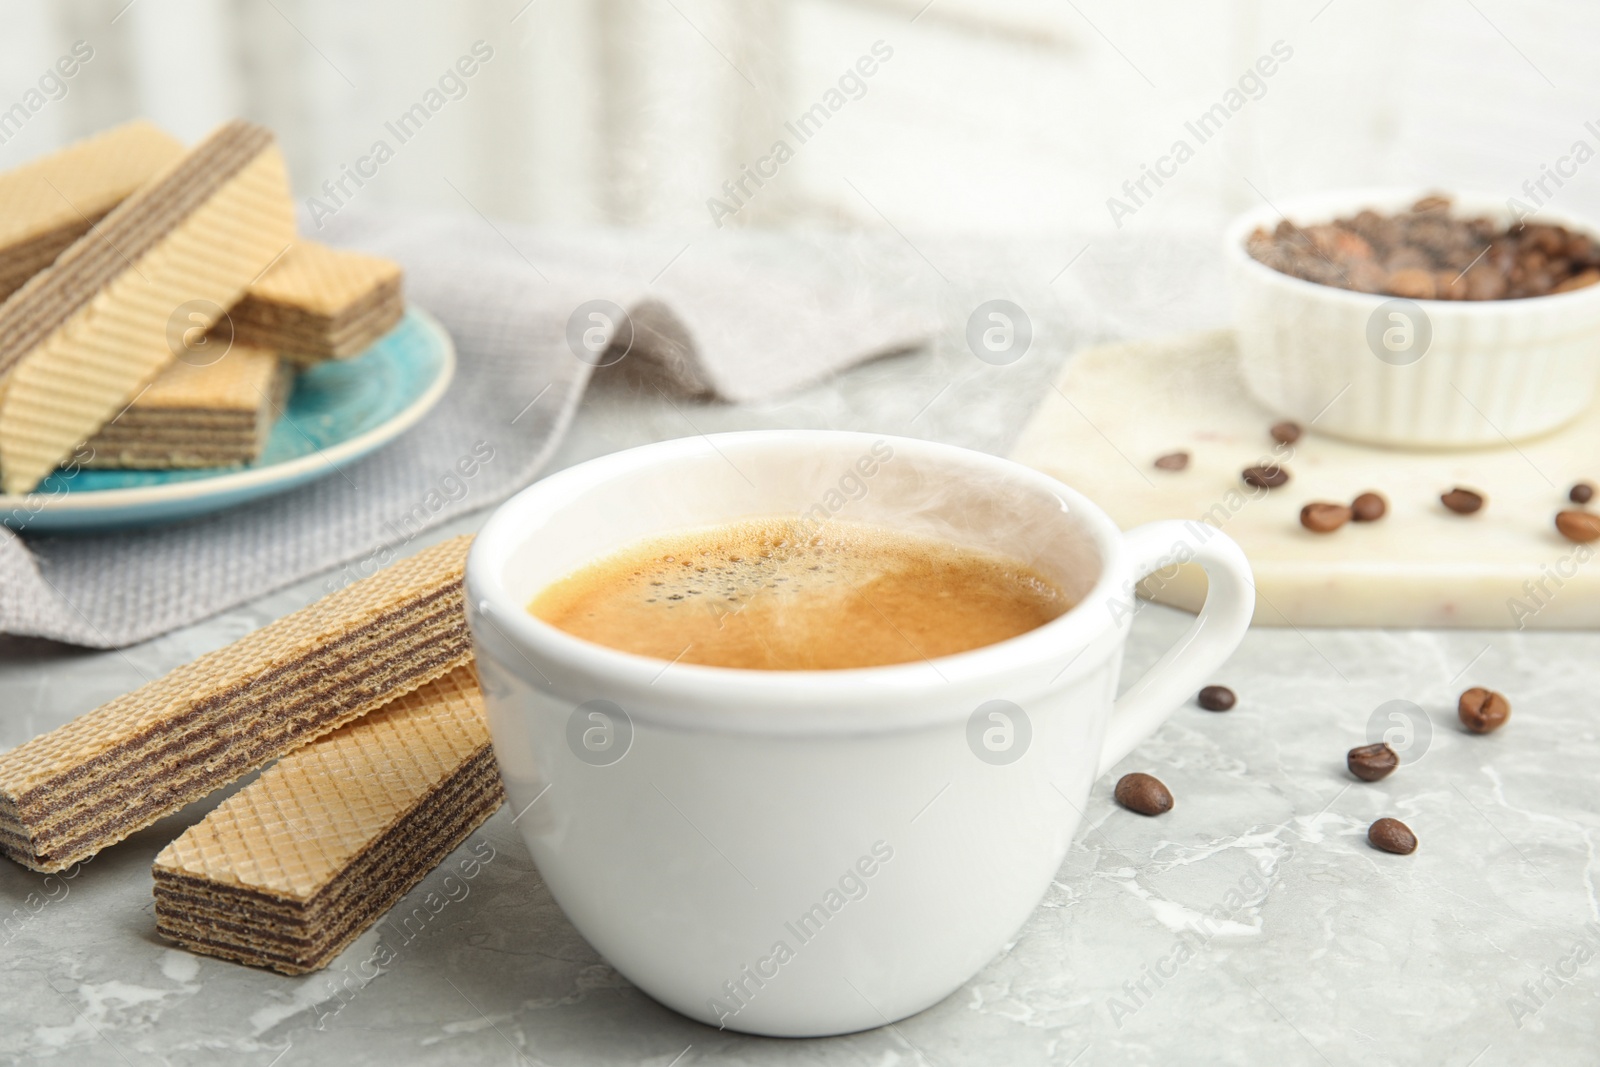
[115, 770]
[216, 415]
[292, 868]
[49, 203]
[319, 303]
[83, 336]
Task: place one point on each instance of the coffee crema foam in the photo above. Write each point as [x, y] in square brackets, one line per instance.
[773, 595]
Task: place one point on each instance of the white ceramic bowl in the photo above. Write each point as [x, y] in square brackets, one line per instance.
[1424, 373]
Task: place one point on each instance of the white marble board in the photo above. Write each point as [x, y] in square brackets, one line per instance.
[1114, 409]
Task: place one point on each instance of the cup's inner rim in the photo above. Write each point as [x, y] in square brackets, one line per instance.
[500, 542]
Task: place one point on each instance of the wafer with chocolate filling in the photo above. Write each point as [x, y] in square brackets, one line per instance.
[293, 867]
[49, 203]
[217, 415]
[86, 785]
[83, 336]
[319, 303]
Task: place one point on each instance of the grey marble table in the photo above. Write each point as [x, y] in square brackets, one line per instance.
[1252, 924]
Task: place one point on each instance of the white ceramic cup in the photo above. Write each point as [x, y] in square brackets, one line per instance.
[800, 853]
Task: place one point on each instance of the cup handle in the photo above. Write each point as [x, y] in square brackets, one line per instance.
[1209, 641]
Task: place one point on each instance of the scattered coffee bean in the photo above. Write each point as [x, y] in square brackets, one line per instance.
[1372, 762]
[1392, 835]
[1172, 461]
[1579, 526]
[1483, 710]
[1269, 477]
[1462, 501]
[1285, 432]
[1319, 517]
[1144, 794]
[1217, 698]
[1368, 507]
[1581, 493]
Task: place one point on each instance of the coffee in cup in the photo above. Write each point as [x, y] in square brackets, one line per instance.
[781, 594]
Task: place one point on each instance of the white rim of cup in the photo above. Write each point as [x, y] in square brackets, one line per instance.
[679, 694]
[1313, 208]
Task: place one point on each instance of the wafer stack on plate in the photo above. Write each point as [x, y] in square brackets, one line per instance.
[82, 337]
[50, 203]
[216, 415]
[292, 868]
[69, 793]
[122, 251]
[319, 303]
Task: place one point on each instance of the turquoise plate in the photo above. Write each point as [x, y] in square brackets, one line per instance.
[339, 411]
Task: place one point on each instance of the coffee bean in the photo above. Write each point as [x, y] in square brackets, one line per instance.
[1581, 493]
[1324, 518]
[1483, 710]
[1485, 283]
[1462, 501]
[1579, 526]
[1408, 259]
[1285, 432]
[1144, 794]
[1413, 284]
[1269, 477]
[1368, 507]
[1372, 762]
[1172, 461]
[1217, 698]
[1392, 835]
[1449, 285]
[1578, 281]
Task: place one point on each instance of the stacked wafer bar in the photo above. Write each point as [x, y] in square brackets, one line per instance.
[83, 336]
[319, 303]
[292, 868]
[51, 202]
[69, 793]
[216, 415]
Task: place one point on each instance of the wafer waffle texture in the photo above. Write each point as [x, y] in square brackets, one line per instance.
[49, 203]
[83, 336]
[90, 783]
[215, 415]
[319, 303]
[292, 868]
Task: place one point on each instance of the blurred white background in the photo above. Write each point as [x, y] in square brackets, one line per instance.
[992, 117]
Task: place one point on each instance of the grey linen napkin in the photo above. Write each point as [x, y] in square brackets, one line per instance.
[718, 321]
